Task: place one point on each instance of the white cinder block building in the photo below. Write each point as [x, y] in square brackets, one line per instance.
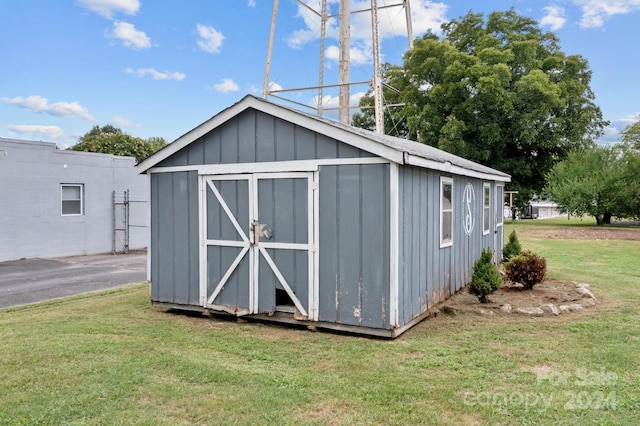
[61, 203]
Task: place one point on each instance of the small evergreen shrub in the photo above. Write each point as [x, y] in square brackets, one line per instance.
[512, 248]
[486, 278]
[527, 268]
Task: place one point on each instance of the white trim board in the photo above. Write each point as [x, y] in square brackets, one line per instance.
[269, 167]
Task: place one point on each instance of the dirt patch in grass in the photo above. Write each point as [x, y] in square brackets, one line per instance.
[582, 233]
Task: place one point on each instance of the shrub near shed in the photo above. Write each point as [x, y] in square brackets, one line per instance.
[512, 248]
[527, 268]
[486, 278]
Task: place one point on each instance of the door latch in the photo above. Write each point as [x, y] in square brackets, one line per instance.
[260, 230]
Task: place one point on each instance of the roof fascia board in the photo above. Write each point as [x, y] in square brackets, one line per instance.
[451, 168]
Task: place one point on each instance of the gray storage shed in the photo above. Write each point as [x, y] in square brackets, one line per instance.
[275, 214]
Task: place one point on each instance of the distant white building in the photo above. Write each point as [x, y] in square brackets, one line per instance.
[61, 203]
[545, 209]
[537, 210]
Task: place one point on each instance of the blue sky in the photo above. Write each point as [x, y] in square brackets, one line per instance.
[159, 68]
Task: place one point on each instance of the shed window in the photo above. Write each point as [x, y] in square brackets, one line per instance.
[72, 199]
[499, 205]
[486, 208]
[446, 212]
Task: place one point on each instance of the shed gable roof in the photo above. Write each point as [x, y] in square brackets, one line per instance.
[394, 149]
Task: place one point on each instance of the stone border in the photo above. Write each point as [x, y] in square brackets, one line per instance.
[552, 309]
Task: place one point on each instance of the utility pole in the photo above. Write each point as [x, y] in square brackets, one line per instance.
[267, 68]
[377, 72]
[344, 59]
[323, 33]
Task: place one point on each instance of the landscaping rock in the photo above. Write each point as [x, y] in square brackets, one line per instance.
[575, 307]
[530, 311]
[450, 310]
[506, 308]
[550, 308]
[589, 302]
[582, 285]
[585, 292]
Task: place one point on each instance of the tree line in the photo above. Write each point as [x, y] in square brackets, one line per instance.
[110, 139]
[603, 181]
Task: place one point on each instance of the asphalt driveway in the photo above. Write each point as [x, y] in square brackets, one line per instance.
[36, 280]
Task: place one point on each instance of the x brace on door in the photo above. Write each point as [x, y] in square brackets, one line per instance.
[250, 244]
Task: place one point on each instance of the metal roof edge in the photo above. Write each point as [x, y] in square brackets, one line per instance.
[448, 167]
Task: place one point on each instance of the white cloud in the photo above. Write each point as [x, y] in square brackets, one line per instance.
[613, 132]
[155, 74]
[61, 109]
[130, 36]
[357, 55]
[425, 16]
[108, 8]
[554, 18]
[53, 133]
[210, 40]
[274, 86]
[252, 3]
[121, 121]
[596, 12]
[227, 85]
[333, 102]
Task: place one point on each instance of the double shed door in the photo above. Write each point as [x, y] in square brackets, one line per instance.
[257, 244]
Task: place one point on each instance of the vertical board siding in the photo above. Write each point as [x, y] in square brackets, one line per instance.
[174, 238]
[212, 148]
[429, 274]
[354, 245]
[195, 154]
[254, 136]
[349, 244]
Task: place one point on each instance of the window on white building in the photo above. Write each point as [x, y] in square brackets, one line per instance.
[72, 196]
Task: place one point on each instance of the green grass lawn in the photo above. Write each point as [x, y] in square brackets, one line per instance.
[110, 358]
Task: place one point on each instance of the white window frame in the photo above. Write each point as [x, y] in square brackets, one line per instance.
[443, 182]
[486, 208]
[499, 206]
[81, 200]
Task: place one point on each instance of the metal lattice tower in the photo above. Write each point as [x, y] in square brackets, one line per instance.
[345, 83]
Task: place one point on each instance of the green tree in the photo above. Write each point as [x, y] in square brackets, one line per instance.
[629, 164]
[631, 136]
[589, 182]
[499, 92]
[112, 140]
